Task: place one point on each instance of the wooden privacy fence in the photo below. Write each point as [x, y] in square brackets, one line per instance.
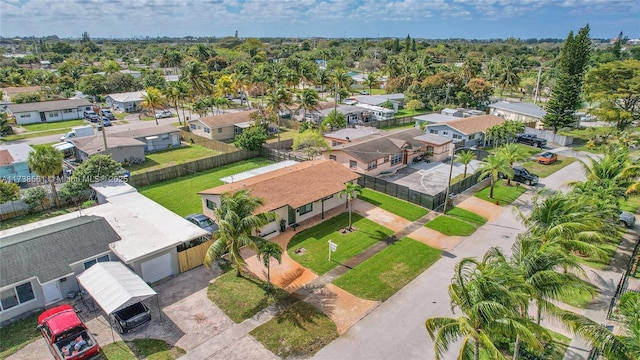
[193, 257]
[208, 143]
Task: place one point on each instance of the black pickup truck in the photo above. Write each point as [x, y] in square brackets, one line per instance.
[131, 317]
[530, 139]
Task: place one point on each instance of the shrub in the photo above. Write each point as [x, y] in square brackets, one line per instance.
[34, 197]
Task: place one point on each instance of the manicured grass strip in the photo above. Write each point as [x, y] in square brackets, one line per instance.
[579, 298]
[18, 334]
[30, 135]
[388, 271]
[299, 331]
[451, 226]
[631, 204]
[171, 157]
[242, 297]
[315, 240]
[502, 193]
[467, 216]
[180, 195]
[601, 264]
[152, 349]
[117, 351]
[33, 217]
[393, 205]
[545, 170]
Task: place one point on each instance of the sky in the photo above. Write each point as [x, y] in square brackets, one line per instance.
[429, 19]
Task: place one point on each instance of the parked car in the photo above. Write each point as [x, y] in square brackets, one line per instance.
[522, 175]
[163, 114]
[627, 219]
[364, 92]
[107, 113]
[530, 139]
[131, 317]
[66, 335]
[91, 116]
[105, 122]
[547, 158]
[203, 222]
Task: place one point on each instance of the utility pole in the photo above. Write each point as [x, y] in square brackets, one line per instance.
[535, 98]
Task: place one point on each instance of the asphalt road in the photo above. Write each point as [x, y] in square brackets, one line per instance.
[395, 330]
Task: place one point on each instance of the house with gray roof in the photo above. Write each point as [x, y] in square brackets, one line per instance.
[125, 102]
[39, 264]
[527, 113]
[120, 148]
[156, 138]
[49, 111]
[384, 152]
[376, 100]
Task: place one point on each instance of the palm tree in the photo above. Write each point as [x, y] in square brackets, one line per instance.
[323, 79]
[465, 157]
[350, 191]
[172, 93]
[508, 76]
[237, 222]
[493, 166]
[484, 293]
[371, 81]
[278, 101]
[266, 251]
[194, 74]
[309, 101]
[47, 162]
[513, 153]
[153, 99]
[615, 166]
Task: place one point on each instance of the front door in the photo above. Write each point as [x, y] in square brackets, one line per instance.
[51, 291]
[43, 117]
[405, 157]
[292, 215]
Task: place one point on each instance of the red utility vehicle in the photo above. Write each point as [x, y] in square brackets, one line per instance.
[66, 334]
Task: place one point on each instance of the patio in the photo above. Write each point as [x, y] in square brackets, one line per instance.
[429, 178]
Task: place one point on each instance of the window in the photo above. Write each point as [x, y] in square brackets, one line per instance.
[305, 209]
[445, 133]
[396, 159]
[207, 130]
[432, 131]
[472, 136]
[456, 136]
[67, 111]
[16, 295]
[386, 159]
[219, 130]
[164, 137]
[90, 263]
[192, 126]
[430, 149]
[372, 165]
[332, 157]
[25, 115]
[52, 114]
[210, 204]
[353, 164]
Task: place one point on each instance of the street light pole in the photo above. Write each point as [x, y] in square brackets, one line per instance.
[452, 152]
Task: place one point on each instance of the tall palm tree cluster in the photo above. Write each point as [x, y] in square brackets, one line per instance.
[502, 299]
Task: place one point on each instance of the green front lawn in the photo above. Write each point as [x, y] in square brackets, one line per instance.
[18, 334]
[242, 297]
[393, 205]
[545, 170]
[583, 137]
[30, 135]
[313, 244]
[631, 204]
[180, 195]
[151, 349]
[298, 332]
[467, 216]
[388, 271]
[610, 250]
[502, 193]
[400, 126]
[528, 151]
[170, 157]
[451, 226]
[45, 126]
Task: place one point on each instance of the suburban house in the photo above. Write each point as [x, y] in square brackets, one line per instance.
[528, 113]
[135, 74]
[376, 100]
[445, 115]
[47, 111]
[41, 260]
[125, 102]
[120, 148]
[462, 112]
[352, 114]
[350, 134]
[468, 131]
[386, 152]
[13, 163]
[155, 138]
[221, 127]
[294, 193]
[10, 91]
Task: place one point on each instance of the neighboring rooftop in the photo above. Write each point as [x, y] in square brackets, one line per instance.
[144, 132]
[377, 99]
[435, 118]
[49, 105]
[95, 144]
[433, 139]
[259, 171]
[472, 125]
[128, 96]
[14, 153]
[386, 144]
[524, 108]
[296, 185]
[352, 134]
[225, 119]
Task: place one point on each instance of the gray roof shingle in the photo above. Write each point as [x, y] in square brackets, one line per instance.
[46, 252]
[48, 105]
[388, 144]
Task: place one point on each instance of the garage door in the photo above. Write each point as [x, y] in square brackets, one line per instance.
[157, 268]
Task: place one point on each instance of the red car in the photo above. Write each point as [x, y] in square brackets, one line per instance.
[547, 158]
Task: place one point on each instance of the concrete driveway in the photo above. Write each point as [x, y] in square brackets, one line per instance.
[430, 178]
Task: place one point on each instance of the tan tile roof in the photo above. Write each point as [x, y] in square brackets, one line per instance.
[5, 158]
[12, 90]
[474, 124]
[95, 144]
[295, 185]
[223, 120]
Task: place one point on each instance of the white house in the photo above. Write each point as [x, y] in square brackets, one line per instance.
[125, 102]
[470, 131]
[527, 113]
[49, 111]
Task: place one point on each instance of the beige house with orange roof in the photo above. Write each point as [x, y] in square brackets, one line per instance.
[294, 193]
[470, 131]
[221, 127]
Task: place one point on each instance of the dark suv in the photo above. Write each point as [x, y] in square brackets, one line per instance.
[522, 175]
[131, 317]
[91, 116]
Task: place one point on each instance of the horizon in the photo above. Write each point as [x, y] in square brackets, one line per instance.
[329, 19]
